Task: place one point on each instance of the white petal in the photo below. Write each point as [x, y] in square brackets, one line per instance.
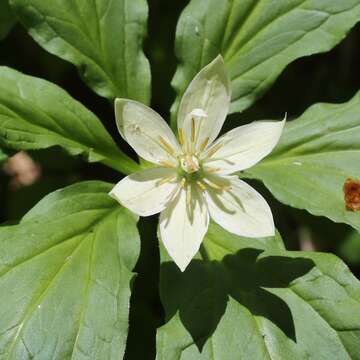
[143, 193]
[146, 131]
[210, 93]
[241, 210]
[182, 235]
[244, 146]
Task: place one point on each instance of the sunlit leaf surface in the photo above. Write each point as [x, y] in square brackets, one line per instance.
[65, 273]
[103, 38]
[257, 38]
[36, 114]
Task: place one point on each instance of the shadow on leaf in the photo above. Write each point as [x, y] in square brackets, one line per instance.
[200, 294]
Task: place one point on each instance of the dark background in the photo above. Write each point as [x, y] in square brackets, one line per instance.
[330, 77]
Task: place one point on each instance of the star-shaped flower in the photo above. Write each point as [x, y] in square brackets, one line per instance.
[192, 179]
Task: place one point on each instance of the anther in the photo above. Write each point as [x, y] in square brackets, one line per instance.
[167, 164]
[193, 130]
[166, 146]
[190, 209]
[181, 136]
[214, 149]
[166, 180]
[212, 170]
[188, 195]
[182, 182]
[214, 185]
[204, 144]
[201, 185]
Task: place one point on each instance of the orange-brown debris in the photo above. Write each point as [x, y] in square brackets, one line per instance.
[352, 194]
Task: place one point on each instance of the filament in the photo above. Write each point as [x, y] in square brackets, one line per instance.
[166, 146]
[166, 180]
[214, 149]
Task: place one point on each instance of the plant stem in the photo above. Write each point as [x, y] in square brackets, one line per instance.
[123, 164]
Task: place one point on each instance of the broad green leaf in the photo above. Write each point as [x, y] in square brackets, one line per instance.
[36, 114]
[257, 38]
[317, 153]
[65, 274]
[257, 302]
[7, 19]
[103, 38]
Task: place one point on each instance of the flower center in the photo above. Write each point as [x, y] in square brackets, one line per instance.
[189, 163]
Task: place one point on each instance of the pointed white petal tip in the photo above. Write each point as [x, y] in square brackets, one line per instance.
[245, 146]
[182, 261]
[112, 194]
[182, 266]
[178, 256]
[241, 211]
[218, 59]
[209, 91]
[180, 234]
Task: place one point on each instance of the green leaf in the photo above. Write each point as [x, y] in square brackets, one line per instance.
[316, 154]
[7, 19]
[3, 156]
[257, 38]
[103, 38]
[349, 248]
[36, 114]
[65, 274]
[259, 302]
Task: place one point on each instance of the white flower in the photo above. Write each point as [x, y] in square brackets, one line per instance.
[192, 180]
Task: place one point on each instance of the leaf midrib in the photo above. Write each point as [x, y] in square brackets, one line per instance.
[101, 64]
[32, 307]
[320, 316]
[86, 294]
[74, 143]
[59, 243]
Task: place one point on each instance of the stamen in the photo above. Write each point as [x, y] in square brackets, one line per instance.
[204, 144]
[201, 185]
[182, 182]
[188, 195]
[212, 170]
[167, 164]
[166, 146]
[166, 180]
[190, 209]
[193, 130]
[214, 149]
[216, 186]
[181, 136]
